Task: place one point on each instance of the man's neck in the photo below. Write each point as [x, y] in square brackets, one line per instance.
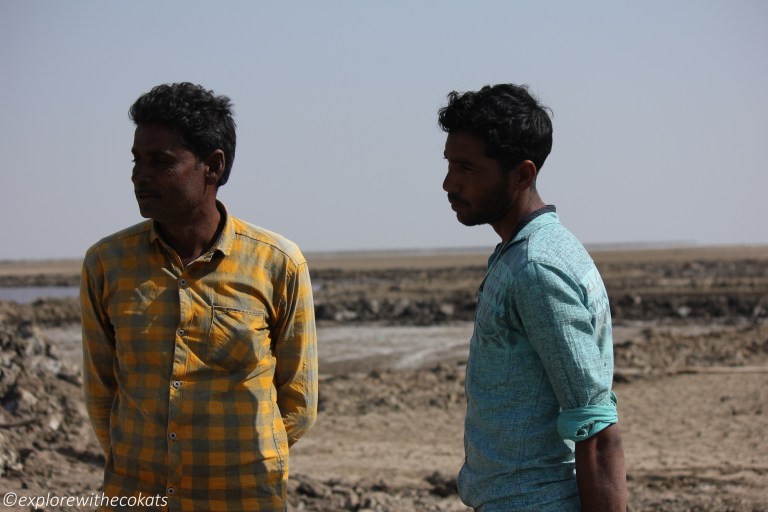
[191, 239]
[507, 226]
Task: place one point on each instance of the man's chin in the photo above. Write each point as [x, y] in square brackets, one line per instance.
[146, 213]
[468, 221]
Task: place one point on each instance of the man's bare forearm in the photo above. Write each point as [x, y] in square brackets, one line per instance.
[601, 473]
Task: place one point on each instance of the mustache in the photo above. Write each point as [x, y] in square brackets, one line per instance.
[143, 191]
[456, 198]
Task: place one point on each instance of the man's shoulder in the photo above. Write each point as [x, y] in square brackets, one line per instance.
[556, 250]
[127, 237]
[548, 243]
[552, 240]
[264, 239]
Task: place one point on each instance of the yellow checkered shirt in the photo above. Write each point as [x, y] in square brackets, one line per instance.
[197, 379]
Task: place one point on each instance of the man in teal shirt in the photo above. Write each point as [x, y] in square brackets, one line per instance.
[541, 431]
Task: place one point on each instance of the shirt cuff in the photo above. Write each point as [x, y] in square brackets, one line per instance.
[584, 422]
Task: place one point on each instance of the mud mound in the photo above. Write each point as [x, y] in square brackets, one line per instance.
[42, 312]
[397, 296]
[692, 492]
[685, 348]
[639, 290]
[46, 441]
[437, 494]
[390, 390]
[43, 279]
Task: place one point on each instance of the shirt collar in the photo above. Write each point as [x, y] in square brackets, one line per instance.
[520, 231]
[227, 236]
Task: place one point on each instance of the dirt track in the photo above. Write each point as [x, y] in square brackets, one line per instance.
[692, 374]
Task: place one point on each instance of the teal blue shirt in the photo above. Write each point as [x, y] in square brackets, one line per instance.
[539, 372]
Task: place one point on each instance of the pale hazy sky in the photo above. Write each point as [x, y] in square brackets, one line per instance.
[659, 107]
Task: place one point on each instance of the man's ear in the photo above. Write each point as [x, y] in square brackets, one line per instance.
[526, 172]
[215, 163]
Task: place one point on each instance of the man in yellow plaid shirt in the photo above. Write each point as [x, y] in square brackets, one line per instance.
[200, 353]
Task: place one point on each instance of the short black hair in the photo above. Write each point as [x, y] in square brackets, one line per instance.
[203, 120]
[512, 123]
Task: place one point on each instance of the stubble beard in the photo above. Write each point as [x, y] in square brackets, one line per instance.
[498, 205]
[487, 217]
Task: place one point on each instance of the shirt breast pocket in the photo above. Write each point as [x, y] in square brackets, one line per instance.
[489, 352]
[238, 338]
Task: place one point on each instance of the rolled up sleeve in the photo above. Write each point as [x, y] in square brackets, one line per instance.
[554, 310]
[584, 422]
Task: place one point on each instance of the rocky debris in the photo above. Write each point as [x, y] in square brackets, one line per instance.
[647, 305]
[664, 349]
[700, 289]
[442, 484]
[42, 415]
[437, 494]
[19, 280]
[397, 296]
[687, 491]
[42, 312]
[637, 290]
[397, 311]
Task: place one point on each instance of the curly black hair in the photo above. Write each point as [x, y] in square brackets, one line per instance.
[513, 125]
[202, 119]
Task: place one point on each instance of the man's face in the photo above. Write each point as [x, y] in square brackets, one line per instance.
[478, 189]
[168, 180]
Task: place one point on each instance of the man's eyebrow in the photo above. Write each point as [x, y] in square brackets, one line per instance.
[445, 155]
[155, 152]
[460, 161]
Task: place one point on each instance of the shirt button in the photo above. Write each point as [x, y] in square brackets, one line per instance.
[170, 490]
[176, 384]
[181, 332]
[183, 282]
[172, 435]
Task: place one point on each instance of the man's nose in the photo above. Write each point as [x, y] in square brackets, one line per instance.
[449, 183]
[138, 174]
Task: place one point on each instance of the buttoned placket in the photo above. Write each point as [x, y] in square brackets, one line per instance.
[174, 439]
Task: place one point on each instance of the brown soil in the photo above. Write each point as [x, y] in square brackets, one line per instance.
[692, 374]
